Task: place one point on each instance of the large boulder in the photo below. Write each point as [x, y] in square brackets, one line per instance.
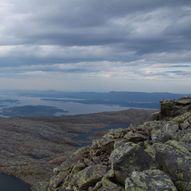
[149, 180]
[128, 157]
[175, 159]
[172, 108]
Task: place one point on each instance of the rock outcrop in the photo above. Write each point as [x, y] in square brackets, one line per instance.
[172, 108]
[154, 156]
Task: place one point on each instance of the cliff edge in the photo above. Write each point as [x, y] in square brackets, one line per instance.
[153, 156]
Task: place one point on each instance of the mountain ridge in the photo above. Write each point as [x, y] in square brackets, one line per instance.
[153, 156]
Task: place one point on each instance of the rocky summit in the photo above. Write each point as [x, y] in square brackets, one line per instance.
[154, 156]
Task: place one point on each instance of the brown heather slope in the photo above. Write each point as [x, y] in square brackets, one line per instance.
[30, 148]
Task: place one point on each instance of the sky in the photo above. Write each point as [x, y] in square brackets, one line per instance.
[92, 45]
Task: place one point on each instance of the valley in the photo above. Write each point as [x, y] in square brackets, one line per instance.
[31, 147]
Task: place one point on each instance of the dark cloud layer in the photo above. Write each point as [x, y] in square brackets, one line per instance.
[119, 39]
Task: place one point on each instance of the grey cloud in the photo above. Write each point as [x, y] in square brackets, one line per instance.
[128, 34]
[83, 22]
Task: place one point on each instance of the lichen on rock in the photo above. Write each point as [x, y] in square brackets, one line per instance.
[148, 180]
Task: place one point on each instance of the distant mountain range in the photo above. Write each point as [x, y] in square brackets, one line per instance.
[121, 98]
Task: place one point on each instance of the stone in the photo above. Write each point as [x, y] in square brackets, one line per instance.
[136, 137]
[173, 108]
[186, 137]
[149, 180]
[108, 185]
[175, 159]
[185, 125]
[58, 179]
[166, 132]
[129, 157]
[109, 138]
[89, 176]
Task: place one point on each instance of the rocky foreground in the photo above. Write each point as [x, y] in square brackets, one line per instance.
[154, 156]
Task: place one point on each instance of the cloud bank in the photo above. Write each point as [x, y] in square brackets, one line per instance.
[96, 45]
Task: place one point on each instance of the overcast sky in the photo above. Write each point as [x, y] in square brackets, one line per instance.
[85, 45]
